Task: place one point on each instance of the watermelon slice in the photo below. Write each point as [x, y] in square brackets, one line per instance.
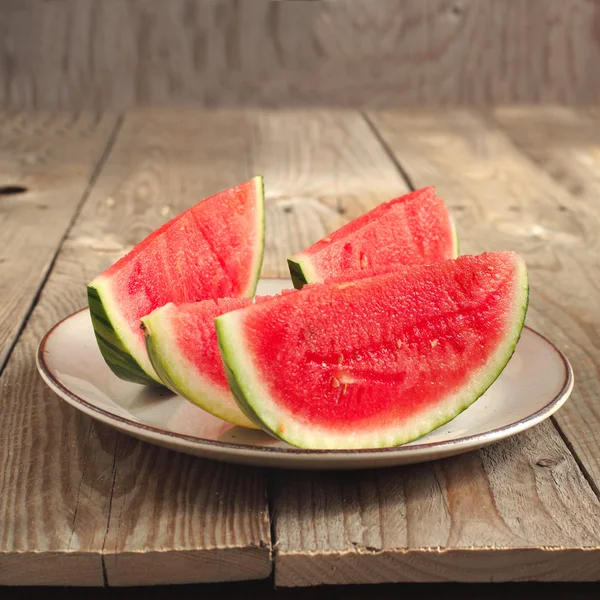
[414, 229]
[379, 361]
[183, 349]
[212, 250]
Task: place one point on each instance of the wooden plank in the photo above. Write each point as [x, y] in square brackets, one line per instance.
[92, 505]
[508, 202]
[351, 53]
[566, 143]
[519, 510]
[315, 165]
[563, 141]
[321, 169]
[54, 486]
[51, 158]
[173, 518]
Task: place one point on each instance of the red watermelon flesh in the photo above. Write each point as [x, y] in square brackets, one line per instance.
[413, 229]
[182, 346]
[212, 250]
[378, 361]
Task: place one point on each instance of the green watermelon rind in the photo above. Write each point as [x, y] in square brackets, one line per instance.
[250, 393]
[235, 383]
[181, 376]
[257, 267]
[302, 271]
[111, 345]
[111, 329]
[298, 272]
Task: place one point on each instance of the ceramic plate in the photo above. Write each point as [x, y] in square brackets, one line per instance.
[535, 383]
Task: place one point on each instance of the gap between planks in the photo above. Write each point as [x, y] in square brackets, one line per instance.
[392, 157]
[143, 515]
[373, 527]
[563, 142]
[299, 240]
[30, 158]
[95, 173]
[44, 279]
[396, 162]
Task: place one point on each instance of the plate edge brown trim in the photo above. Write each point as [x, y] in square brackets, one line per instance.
[42, 366]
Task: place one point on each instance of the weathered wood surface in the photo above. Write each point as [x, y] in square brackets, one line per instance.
[321, 169]
[81, 504]
[91, 504]
[353, 53]
[301, 204]
[503, 513]
[46, 165]
[518, 510]
[563, 141]
[507, 201]
[566, 144]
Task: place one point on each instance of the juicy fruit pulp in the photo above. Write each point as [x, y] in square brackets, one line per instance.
[212, 250]
[379, 361]
[414, 229]
[182, 346]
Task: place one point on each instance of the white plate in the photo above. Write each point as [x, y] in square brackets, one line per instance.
[536, 382]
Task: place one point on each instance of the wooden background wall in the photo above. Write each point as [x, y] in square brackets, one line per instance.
[119, 53]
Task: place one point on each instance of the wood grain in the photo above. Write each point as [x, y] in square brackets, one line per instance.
[56, 475]
[321, 169]
[507, 201]
[456, 519]
[82, 505]
[79, 496]
[519, 510]
[52, 157]
[173, 519]
[352, 53]
[170, 517]
[566, 143]
[563, 141]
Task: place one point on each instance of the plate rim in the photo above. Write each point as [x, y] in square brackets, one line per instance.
[462, 442]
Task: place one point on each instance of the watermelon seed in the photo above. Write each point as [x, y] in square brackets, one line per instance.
[434, 343]
[344, 388]
[326, 239]
[335, 383]
[399, 343]
[340, 359]
[363, 261]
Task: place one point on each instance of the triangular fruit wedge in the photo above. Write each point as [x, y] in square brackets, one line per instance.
[183, 349]
[380, 361]
[211, 250]
[415, 229]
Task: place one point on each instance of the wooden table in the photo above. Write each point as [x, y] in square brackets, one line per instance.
[83, 505]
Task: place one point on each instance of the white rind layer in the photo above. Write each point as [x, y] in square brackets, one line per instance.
[255, 399]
